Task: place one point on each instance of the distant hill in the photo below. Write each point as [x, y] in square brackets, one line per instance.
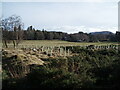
[102, 32]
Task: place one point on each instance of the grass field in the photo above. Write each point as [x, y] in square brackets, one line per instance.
[61, 43]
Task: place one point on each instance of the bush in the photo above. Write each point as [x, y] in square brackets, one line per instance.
[89, 69]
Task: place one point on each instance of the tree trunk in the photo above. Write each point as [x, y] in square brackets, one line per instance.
[5, 43]
[14, 43]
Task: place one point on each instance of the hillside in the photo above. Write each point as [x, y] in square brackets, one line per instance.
[102, 32]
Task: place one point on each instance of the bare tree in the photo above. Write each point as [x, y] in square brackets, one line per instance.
[14, 24]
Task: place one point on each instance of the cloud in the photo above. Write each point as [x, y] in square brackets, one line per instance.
[97, 29]
[100, 0]
[66, 17]
[114, 6]
[76, 29]
[59, 0]
[67, 29]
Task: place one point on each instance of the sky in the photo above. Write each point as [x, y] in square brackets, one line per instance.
[71, 17]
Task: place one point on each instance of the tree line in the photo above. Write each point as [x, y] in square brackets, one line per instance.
[13, 30]
[32, 34]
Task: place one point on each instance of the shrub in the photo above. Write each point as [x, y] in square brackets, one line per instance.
[87, 69]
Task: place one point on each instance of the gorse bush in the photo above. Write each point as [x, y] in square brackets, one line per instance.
[87, 69]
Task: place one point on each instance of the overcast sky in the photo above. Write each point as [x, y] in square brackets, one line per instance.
[70, 17]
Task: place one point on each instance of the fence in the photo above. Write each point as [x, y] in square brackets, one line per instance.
[62, 50]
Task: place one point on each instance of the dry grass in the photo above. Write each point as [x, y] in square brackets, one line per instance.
[60, 43]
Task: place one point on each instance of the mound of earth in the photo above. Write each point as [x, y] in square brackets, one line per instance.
[20, 56]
